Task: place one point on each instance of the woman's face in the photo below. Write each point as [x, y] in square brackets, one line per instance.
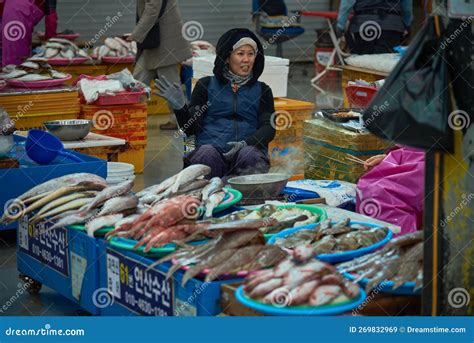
[241, 60]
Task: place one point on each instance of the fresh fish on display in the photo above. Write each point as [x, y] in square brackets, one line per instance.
[110, 192]
[77, 217]
[212, 202]
[13, 74]
[29, 65]
[112, 44]
[51, 52]
[100, 222]
[119, 204]
[214, 186]
[327, 238]
[72, 205]
[399, 261]
[307, 282]
[58, 75]
[63, 200]
[33, 77]
[77, 179]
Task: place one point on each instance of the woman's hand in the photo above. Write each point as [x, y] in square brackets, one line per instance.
[236, 147]
[373, 161]
[172, 92]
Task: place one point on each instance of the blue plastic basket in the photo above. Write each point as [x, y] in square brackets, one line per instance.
[342, 256]
[325, 310]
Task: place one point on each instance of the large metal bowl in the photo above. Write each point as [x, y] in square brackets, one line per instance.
[259, 186]
[69, 130]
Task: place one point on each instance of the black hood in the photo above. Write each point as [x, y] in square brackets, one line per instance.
[224, 49]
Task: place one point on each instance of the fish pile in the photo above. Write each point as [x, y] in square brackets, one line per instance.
[60, 48]
[328, 238]
[286, 216]
[33, 69]
[76, 199]
[60, 195]
[190, 181]
[400, 261]
[300, 280]
[229, 253]
[115, 47]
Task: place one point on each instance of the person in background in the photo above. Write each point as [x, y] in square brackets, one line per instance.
[230, 112]
[18, 22]
[377, 26]
[164, 59]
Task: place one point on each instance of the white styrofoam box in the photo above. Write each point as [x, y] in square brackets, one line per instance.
[275, 73]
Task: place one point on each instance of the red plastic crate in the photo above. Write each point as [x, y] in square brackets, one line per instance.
[360, 96]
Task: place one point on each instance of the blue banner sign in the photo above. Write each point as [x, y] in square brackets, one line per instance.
[48, 247]
[345, 329]
[141, 291]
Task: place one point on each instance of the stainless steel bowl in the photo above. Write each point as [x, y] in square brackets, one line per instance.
[259, 186]
[69, 130]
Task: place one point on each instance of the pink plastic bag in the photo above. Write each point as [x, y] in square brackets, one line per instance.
[393, 191]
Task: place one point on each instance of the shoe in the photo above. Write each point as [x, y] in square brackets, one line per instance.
[169, 126]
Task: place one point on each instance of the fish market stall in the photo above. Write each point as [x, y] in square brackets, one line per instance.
[177, 247]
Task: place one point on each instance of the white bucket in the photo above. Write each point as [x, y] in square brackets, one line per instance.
[118, 172]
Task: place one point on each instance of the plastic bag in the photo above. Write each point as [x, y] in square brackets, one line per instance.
[336, 193]
[412, 107]
[393, 191]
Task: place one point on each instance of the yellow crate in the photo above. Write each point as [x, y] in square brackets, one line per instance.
[157, 105]
[135, 156]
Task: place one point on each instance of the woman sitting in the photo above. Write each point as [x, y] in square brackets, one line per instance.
[230, 112]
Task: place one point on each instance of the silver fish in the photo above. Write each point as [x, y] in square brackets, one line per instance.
[63, 200]
[66, 180]
[189, 174]
[100, 222]
[112, 44]
[13, 74]
[119, 204]
[110, 192]
[213, 201]
[75, 218]
[33, 77]
[215, 185]
[74, 204]
[157, 189]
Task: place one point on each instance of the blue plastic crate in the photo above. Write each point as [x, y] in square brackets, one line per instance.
[14, 182]
[63, 259]
[127, 289]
